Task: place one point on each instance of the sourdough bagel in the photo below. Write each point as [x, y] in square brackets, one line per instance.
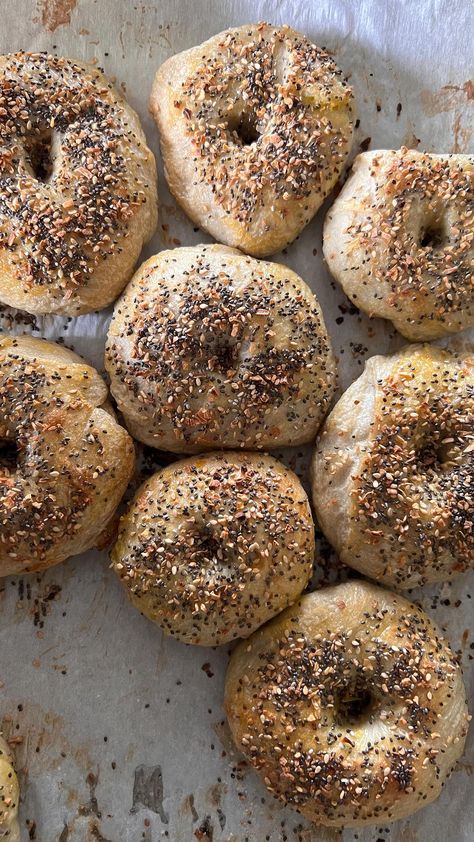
[9, 796]
[400, 240]
[255, 127]
[350, 705]
[77, 183]
[393, 468]
[64, 461]
[210, 349]
[215, 545]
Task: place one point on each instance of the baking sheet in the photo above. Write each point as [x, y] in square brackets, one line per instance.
[119, 731]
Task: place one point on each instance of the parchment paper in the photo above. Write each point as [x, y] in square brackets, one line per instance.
[120, 733]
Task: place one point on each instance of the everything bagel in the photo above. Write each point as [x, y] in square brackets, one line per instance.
[255, 127]
[393, 468]
[350, 705]
[64, 461]
[208, 348]
[400, 240]
[215, 545]
[77, 186]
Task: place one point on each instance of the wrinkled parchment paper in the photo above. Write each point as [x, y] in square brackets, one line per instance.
[119, 731]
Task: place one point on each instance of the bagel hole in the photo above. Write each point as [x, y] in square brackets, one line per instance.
[207, 546]
[38, 149]
[9, 455]
[244, 128]
[435, 455]
[355, 707]
[225, 357]
[434, 235]
[221, 353]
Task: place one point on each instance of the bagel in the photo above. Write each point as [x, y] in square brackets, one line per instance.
[210, 349]
[64, 461]
[350, 705]
[393, 468]
[255, 127]
[9, 796]
[400, 240]
[215, 545]
[78, 186]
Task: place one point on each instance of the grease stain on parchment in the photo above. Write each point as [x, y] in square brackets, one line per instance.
[64, 836]
[222, 731]
[464, 766]
[446, 98]
[188, 806]
[95, 834]
[56, 13]
[92, 806]
[35, 598]
[411, 141]
[461, 135]
[148, 791]
[451, 98]
[325, 834]
[90, 809]
[215, 794]
[44, 742]
[406, 835]
[205, 831]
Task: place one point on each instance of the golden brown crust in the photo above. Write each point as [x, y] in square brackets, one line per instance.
[393, 468]
[64, 461]
[213, 546]
[78, 186]
[209, 348]
[255, 127]
[9, 796]
[400, 240]
[350, 705]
